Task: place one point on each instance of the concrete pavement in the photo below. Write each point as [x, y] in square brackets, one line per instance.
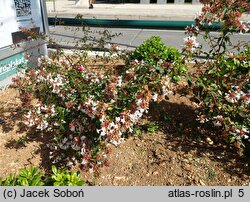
[168, 12]
[68, 8]
[130, 38]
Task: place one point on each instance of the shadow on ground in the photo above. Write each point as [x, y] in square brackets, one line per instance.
[178, 121]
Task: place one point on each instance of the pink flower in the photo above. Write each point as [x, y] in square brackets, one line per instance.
[218, 120]
[80, 68]
[232, 97]
[76, 140]
[190, 43]
[202, 119]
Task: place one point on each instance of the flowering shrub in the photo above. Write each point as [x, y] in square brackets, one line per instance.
[86, 104]
[221, 86]
[223, 90]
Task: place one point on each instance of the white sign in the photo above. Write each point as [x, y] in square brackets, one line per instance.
[16, 14]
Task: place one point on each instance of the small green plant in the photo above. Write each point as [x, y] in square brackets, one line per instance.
[30, 177]
[138, 131]
[64, 178]
[26, 177]
[211, 174]
[151, 127]
[167, 117]
[9, 181]
[22, 140]
[33, 177]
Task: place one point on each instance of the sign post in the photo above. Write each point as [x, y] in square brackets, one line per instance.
[15, 17]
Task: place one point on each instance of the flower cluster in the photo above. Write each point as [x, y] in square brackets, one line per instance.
[190, 44]
[227, 12]
[235, 95]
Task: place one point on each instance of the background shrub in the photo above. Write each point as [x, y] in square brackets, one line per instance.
[154, 50]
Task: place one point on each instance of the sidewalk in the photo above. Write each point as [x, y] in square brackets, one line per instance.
[167, 12]
[170, 12]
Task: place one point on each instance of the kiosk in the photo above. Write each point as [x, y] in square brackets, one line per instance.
[16, 16]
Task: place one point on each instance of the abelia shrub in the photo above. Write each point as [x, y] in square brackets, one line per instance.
[221, 83]
[87, 105]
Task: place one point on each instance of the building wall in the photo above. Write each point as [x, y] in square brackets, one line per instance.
[80, 2]
[169, 1]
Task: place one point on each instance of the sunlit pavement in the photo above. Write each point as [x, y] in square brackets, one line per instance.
[171, 12]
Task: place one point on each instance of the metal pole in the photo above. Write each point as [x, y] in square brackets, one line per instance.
[54, 5]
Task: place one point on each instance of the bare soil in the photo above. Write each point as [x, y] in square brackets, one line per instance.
[178, 153]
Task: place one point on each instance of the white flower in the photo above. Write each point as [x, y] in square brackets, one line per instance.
[155, 97]
[44, 107]
[218, 121]
[70, 163]
[83, 151]
[246, 98]
[75, 147]
[160, 61]
[217, 124]
[38, 111]
[43, 125]
[91, 170]
[123, 120]
[94, 108]
[83, 145]
[232, 97]
[102, 119]
[138, 102]
[245, 130]
[28, 114]
[31, 123]
[102, 131]
[202, 119]
[117, 119]
[72, 128]
[117, 142]
[112, 125]
[245, 136]
[56, 124]
[64, 147]
[64, 140]
[190, 43]
[132, 118]
[119, 82]
[84, 162]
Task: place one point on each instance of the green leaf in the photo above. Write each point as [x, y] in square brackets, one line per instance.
[54, 169]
